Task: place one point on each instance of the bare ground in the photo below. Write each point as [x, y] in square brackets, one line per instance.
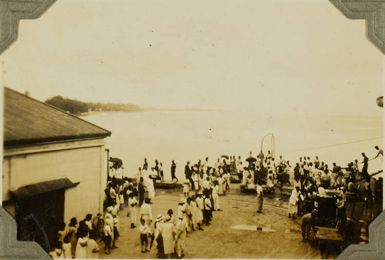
[220, 240]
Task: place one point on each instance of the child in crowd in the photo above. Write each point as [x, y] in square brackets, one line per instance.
[108, 233]
[186, 189]
[145, 232]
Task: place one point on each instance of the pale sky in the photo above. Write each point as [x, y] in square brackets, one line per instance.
[269, 56]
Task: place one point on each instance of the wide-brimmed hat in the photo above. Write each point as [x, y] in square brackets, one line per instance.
[159, 218]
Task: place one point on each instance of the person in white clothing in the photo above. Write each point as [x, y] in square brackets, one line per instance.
[259, 191]
[168, 233]
[146, 212]
[180, 236]
[81, 247]
[293, 200]
[215, 196]
[149, 183]
[92, 247]
[132, 202]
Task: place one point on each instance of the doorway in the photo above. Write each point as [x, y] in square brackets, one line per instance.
[39, 217]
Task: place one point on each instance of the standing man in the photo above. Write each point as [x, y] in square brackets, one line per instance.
[307, 224]
[259, 190]
[173, 170]
[145, 164]
[161, 172]
[364, 171]
[187, 172]
[141, 191]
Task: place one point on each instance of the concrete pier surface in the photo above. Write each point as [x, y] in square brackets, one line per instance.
[231, 233]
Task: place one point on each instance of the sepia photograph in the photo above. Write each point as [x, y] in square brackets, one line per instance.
[192, 129]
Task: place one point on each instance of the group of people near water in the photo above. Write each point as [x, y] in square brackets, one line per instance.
[201, 190]
[203, 185]
[351, 186]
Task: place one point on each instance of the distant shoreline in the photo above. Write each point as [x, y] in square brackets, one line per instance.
[150, 110]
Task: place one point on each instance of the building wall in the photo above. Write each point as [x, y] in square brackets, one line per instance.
[83, 162]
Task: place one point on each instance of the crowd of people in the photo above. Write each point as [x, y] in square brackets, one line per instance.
[355, 196]
[203, 185]
[78, 239]
[201, 190]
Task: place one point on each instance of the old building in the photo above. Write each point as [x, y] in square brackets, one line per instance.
[54, 167]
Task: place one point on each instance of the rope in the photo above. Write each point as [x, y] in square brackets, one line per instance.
[340, 144]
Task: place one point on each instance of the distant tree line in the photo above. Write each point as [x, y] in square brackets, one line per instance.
[77, 107]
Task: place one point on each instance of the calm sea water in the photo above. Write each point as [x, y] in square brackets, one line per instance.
[192, 135]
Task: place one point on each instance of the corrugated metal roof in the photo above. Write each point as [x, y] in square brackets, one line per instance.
[28, 121]
[42, 187]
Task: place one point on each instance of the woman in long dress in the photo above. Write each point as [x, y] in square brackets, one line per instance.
[215, 196]
[220, 185]
[168, 233]
[92, 247]
[150, 187]
[132, 202]
[81, 246]
[195, 215]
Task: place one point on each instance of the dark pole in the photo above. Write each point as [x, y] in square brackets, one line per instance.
[108, 166]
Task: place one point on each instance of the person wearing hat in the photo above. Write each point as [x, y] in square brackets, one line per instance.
[158, 236]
